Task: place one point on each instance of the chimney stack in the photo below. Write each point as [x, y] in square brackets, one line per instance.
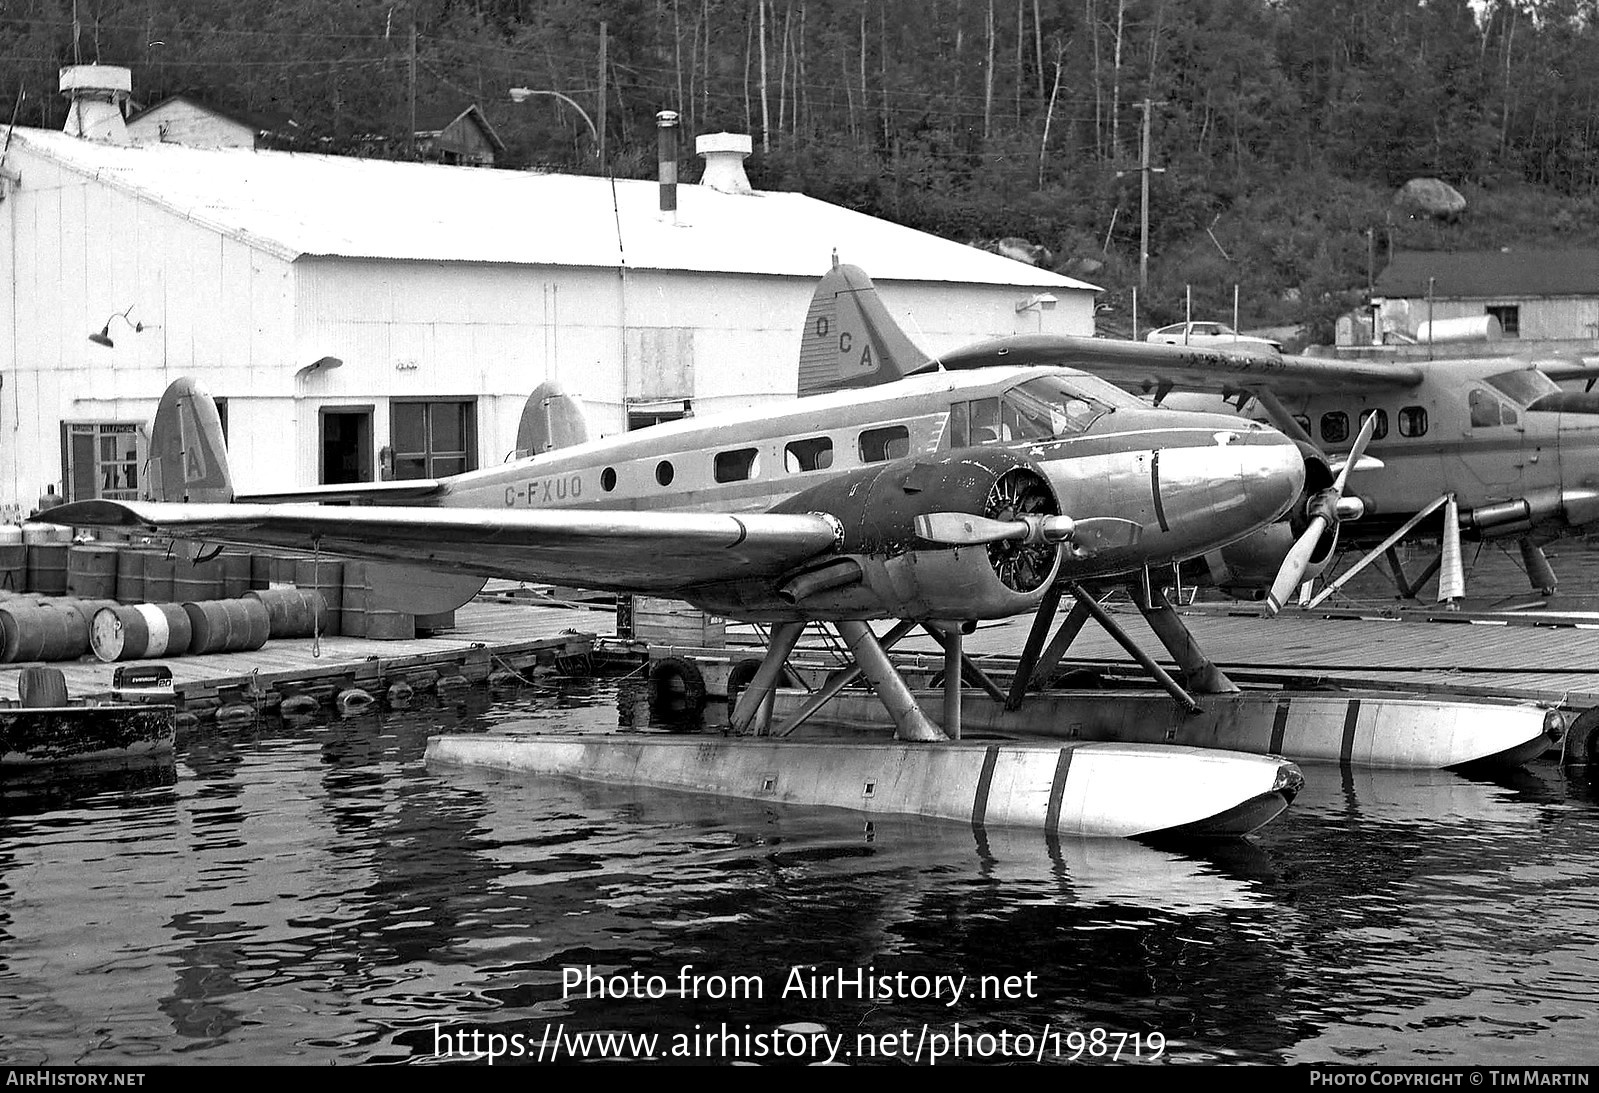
[666, 130]
[98, 94]
[724, 161]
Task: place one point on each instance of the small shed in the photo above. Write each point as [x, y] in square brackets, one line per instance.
[186, 118]
[1535, 295]
[465, 138]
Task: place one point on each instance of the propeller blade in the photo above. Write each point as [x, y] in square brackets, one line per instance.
[1355, 453]
[1294, 565]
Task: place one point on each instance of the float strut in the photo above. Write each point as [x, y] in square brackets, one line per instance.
[836, 681]
[1382, 548]
[1539, 571]
[785, 635]
[1113, 628]
[1070, 627]
[969, 669]
[909, 721]
[1034, 644]
[952, 683]
[1199, 672]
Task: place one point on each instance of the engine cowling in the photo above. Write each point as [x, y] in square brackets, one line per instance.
[1246, 569]
[883, 569]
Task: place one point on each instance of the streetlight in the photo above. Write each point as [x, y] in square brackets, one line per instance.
[522, 94]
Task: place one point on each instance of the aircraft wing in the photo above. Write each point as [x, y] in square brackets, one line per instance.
[368, 492]
[621, 551]
[1145, 366]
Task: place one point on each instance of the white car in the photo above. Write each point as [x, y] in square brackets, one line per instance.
[1210, 336]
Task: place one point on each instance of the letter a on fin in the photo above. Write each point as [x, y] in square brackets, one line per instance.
[188, 457]
[850, 340]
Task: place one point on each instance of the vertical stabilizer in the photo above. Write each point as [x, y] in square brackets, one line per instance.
[188, 456]
[551, 419]
[850, 340]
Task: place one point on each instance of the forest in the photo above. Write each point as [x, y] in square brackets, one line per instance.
[1278, 131]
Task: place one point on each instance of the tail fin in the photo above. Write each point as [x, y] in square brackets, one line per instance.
[850, 340]
[188, 456]
[551, 419]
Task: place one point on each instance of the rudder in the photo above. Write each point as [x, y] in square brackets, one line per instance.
[850, 340]
[188, 455]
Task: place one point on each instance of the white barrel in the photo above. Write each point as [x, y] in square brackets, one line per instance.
[1465, 328]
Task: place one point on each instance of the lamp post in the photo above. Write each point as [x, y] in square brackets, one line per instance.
[522, 94]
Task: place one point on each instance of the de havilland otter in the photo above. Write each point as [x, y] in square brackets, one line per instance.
[934, 500]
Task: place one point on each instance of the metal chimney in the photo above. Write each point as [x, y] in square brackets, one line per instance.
[666, 130]
[724, 161]
[98, 94]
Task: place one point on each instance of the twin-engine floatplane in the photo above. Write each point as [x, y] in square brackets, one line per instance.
[935, 500]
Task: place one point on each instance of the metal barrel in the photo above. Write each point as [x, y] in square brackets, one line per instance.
[235, 575]
[158, 574]
[263, 570]
[47, 568]
[136, 631]
[41, 632]
[13, 567]
[197, 582]
[92, 571]
[326, 577]
[294, 612]
[84, 607]
[361, 612]
[130, 574]
[227, 626]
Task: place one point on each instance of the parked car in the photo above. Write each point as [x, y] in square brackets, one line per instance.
[1210, 336]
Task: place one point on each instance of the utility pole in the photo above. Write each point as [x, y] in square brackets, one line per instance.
[410, 140]
[1144, 170]
[604, 45]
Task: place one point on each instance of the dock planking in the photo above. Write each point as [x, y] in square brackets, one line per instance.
[484, 633]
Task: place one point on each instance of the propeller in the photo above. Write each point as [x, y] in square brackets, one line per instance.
[1327, 508]
[1087, 536]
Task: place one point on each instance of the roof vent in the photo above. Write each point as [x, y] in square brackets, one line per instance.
[98, 94]
[724, 161]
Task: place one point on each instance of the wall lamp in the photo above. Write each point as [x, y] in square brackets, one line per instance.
[1043, 301]
[104, 335]
[321, 364]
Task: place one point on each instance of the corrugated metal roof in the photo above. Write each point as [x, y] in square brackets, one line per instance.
[1491, 274]
[296, 205]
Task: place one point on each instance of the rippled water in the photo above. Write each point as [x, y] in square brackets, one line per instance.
[314, 893]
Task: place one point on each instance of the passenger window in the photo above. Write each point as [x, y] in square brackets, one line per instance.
[889, 442]
[1381, 429]
[1335, 427]
[735, 466]
[814, 454]
[1413, 421]
[663, 472]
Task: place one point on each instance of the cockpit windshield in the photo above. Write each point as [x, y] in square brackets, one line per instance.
[1039, 409]
[1523, 386]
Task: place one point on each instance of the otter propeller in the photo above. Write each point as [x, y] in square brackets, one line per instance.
[1327, 508]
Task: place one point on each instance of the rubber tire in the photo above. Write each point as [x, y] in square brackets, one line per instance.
[738, 678]
[1582, 741]
[677, 691]
[38, 688]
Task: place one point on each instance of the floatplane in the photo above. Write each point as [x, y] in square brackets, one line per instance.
[935, 500]
[1491, 449]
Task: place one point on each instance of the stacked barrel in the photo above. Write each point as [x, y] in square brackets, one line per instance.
[122, 601]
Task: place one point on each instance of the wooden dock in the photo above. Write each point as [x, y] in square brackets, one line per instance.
[493, 634]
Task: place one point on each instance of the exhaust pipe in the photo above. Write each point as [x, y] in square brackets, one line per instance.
[840, 573]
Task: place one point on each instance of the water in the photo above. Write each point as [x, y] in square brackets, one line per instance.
[313, 893]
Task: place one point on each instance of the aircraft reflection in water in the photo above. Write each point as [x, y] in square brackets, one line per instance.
[935, 500]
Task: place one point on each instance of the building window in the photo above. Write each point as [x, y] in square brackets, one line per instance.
[1509, 316]
[434, 439]
[891, 442]
[1380, 430]
[1335, 427]
[102, 459]
[735, 466]
[1413, 421]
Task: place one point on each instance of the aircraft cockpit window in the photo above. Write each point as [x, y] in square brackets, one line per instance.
[1486, 409]
[889, 442]
[1380, 430]
[734, 466]
[812, 454]
[1413, 421]
[1523, 386]
[1335, 427]
[1053, 406]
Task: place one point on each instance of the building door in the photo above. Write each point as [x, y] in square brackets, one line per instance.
[347, 444]
[433, 438]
